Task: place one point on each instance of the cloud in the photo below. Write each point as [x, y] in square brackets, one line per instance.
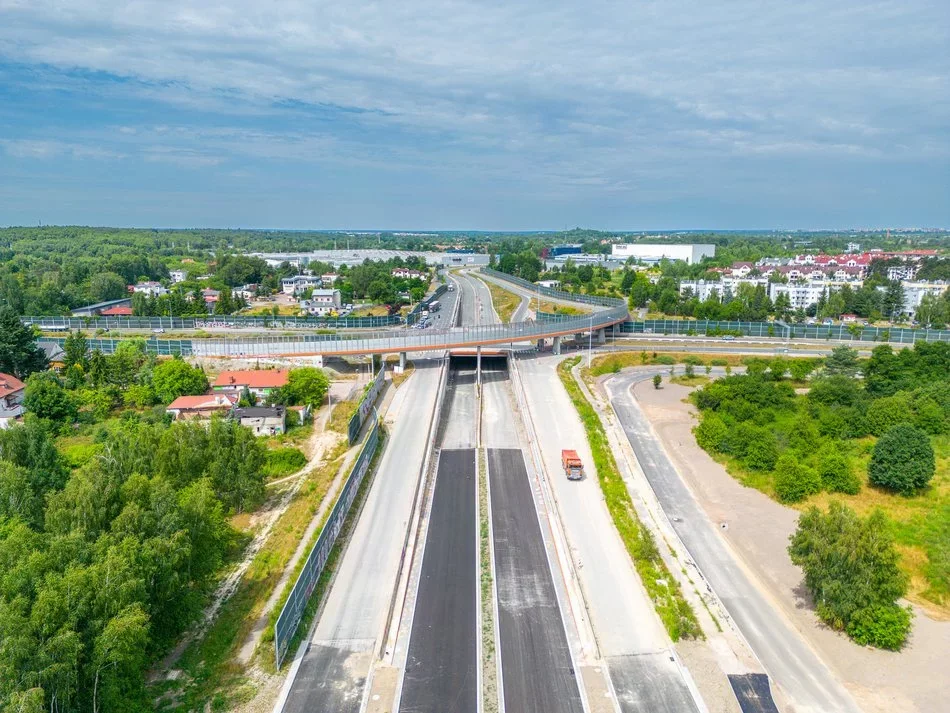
[580, 98]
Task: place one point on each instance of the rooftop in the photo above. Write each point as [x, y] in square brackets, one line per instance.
[9, 384]
[254, 379]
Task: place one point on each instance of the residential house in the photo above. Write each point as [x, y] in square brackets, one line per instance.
[322, 302]
[201, 407]
[150, 289]
[259, 382]
[329, 279]
[246, 292]
[404, 273]
[298, 283]
[178, 276]
[263, 420]
[55, 354]
[12, 391]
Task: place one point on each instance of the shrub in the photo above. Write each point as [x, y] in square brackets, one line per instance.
[836, 472]
[283, 461]
[883, 414]
[795, 481]
[664, 359]
[694, 360]
[903, 460]
[718, 362]
[761, 451]
[711, 433]
[885, 626]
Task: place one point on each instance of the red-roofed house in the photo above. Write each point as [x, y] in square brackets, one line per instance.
[201, 407]
[259, 382]
[119, 311]
[11, 399]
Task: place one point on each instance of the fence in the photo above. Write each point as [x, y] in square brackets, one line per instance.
[783, 330]
[159, 347]
[416, 314]
[292, 612]
[221, 322]
[366, 404]
[556, 294]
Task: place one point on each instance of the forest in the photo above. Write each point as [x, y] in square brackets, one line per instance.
[872, 434]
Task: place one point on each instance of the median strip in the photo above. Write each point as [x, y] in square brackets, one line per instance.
[675, 612]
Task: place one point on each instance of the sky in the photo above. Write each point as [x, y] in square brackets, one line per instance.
[493, 115]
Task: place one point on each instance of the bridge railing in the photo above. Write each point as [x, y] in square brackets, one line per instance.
[212, 322]
[555, 294]
[784, 330]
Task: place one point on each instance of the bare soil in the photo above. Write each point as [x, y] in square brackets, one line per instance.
[914, 680]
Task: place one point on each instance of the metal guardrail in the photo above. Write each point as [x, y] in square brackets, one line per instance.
[290, 615]
[556, 294]
[366, 405]
[784, 330]
[211, 322]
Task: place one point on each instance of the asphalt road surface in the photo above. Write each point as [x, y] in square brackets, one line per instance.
[332, 675]
[804, 678]
[537, 671]
[442, 665]
[631, 638]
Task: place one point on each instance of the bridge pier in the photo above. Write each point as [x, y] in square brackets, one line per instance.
[557, 345]
[402, 362]
[540, 345]
[601, 336]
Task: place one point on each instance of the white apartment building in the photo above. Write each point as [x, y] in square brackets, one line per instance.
[178, 276]
[703, 289]
[690, 253]
[908, 271]
[915, 291]
[803, 294]
[298, 283]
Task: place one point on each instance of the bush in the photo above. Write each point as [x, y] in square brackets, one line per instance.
[711, 433]
[664, 359]
[885, 626]
[883, 414]
[794, 481]
[694, 360]
[903, 460]
[718, 362]
[279, 462]
[761, 451]
[836, 472]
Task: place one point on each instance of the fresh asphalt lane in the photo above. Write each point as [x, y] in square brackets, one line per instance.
[332, 675]
[629, 633]
[807, 683]
[537, 672]
[442, 663]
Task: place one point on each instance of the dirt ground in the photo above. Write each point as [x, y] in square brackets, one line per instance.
[915, 680]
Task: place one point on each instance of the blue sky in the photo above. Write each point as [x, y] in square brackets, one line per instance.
[475, 115]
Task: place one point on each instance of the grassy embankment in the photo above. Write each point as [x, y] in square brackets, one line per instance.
[505, 302]
[370, 311]
[675, 612]
[211, 675]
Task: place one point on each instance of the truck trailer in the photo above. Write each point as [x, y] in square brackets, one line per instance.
[571, 462]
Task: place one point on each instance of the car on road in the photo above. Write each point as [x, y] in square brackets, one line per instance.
[728, 338]
[159, 330]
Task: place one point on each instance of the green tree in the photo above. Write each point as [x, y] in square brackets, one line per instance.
[17, 498]
[174, 378]
[32, 700]
[903, 460]
[46, 398]
[19, 354]
[800, 368]
[657, 380]
[761, 450]
[850, 567]
[118, 659]
[308, 385]
[843, 361]
[883, 414]
[76, 351]
[106, 286]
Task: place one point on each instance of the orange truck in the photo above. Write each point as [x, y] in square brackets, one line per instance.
[573, 468]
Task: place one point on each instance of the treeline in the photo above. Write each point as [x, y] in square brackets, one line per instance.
[101, 569]
[794, 446]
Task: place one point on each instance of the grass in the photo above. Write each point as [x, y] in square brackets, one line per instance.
[371, 311]
[342, 413]
[675, 612]
[398, 379]
[505, 302]
[78, 450]
[615, 361]
[268, 311]
[557, 308]
[695, 380]
[489, 667]
[209, 662]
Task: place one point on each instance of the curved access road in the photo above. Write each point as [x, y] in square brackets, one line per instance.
[804, 678]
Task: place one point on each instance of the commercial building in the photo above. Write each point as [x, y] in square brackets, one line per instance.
[652, 252]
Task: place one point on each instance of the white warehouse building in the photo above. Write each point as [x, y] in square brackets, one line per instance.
[652, 252]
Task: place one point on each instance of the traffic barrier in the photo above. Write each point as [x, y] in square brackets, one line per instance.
[292, 612]
[366, 404]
